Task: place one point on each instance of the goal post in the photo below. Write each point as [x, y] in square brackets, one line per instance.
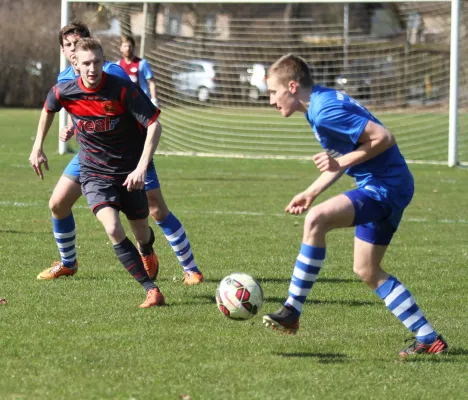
[204, 135]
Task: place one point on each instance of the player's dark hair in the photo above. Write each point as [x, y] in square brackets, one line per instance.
[127, 38]
[86, 44]
[292, 68]
[75, 27]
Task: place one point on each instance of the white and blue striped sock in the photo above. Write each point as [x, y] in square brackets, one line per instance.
[64, 232]
[401, 303]
[175, 235]
[308, 264]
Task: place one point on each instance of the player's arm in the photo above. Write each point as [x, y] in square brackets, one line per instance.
[302, 201]
[136, 180]
[51, 106]
[149, 76]
[153, 91]
[38, 157]
[374, 140]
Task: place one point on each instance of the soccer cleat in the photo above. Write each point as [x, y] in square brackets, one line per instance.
[438, 347]
[193, 278]
[154, 298]
[151, 264]
[286, 320]
[57, 270]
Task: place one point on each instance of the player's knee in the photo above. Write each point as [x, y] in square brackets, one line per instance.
[59, 208]
[315, 221]
[159, 214]
[115, 232]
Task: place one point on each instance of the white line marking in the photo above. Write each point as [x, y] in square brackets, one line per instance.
[248, 213]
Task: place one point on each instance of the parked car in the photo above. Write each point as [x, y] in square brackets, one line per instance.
[253, 80]
[195, 78]
[368, 79]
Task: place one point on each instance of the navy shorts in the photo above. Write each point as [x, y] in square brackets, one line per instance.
[376, 217]
[102, 193]
[72, 171]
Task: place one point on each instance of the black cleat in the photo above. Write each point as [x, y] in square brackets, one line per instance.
[286, 320]
[438, 347]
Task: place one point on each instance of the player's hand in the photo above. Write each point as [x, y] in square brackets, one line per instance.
[136, 180]
[155, 102]
[299, 204]
[66, 133]
[36, 159]
[325, 162]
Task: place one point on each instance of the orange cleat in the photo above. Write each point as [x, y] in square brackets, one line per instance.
[154, 298]
[193, 278]
[57, 270]
[151, 264]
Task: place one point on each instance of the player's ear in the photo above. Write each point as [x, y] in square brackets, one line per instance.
[293, 87]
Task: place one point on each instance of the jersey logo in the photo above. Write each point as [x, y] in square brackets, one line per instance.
[98, 125]
[108, 107]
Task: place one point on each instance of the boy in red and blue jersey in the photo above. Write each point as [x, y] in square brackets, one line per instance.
[118, 131]
[68, 189]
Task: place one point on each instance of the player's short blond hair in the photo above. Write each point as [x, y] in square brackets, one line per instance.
[87, 44]
[291, 68]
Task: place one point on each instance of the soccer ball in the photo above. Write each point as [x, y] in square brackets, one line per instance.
[239, 296]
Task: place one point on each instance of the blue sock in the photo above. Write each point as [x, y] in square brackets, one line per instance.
[175, 235]
[308, 264]
[64, 232]
[401, 303]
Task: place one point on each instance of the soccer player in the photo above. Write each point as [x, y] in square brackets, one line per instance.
[118, 132]
[355, 143]
[68, 189]
[138, 69]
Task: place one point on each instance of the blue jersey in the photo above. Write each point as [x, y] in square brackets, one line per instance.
[108, 67]
[338, 122]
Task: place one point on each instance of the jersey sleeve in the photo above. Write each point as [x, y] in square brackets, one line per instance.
[116, 70]
[341, 123]
[137, 103]
[146, 69]
[66, 75]
[52, 103]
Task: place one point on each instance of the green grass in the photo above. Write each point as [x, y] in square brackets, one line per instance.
[85, 337]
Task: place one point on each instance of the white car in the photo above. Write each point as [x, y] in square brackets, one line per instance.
[194, 78]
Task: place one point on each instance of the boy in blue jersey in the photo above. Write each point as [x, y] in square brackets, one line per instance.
[68, 189]
[355, 143]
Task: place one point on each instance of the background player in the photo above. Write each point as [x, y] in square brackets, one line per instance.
[138, 69]
[355, 143]
[109, 113]
[68, 189]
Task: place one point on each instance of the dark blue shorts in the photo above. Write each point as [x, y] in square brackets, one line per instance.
[376, 218]
[102, 193]
[72, 171]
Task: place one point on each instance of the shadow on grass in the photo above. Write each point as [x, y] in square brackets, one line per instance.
[322, 358]
[457, 354]
[349, 303]
[15, 232]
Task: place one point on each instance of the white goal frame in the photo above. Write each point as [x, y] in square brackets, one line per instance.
[454, 52]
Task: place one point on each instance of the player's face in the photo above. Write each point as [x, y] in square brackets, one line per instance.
[68, 48]
[281, 97]
[126, 49]
[89, 63]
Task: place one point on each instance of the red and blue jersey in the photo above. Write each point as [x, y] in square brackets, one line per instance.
[111, 122]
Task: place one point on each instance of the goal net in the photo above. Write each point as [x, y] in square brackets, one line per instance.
[210, 61]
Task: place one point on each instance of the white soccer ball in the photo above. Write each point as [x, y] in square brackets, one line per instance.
[239, 296]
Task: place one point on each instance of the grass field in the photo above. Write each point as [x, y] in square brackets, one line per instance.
[85, 337]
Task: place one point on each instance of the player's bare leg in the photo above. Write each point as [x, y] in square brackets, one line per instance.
[397, 298]
[66, 193]
[175, 235]
[337, 212]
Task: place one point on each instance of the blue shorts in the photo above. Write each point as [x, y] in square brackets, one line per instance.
[72, 171]
[376, 216]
